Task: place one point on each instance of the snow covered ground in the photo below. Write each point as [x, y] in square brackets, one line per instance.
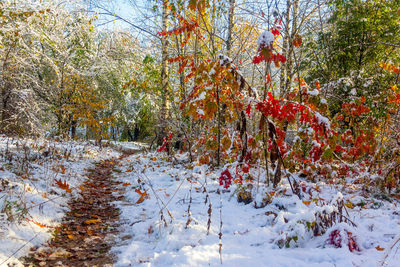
[172, 212]
[31, 204]
[131, 145]
[158, 231]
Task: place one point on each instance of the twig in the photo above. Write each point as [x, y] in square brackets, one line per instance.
[220, 227]
[347, 218]
[189, 213]
[389, 250]
[155, 194]
[1, 264]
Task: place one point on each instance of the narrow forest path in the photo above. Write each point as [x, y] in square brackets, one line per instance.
[88, 229]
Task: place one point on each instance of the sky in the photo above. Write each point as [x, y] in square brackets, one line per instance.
[121, 8]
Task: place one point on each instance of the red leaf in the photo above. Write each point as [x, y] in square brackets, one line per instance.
[275, 32]
[248, 109]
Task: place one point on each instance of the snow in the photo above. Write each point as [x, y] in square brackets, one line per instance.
[131, 145]
[323, 120]
[224, 60]
[31, 185]
[314, 92]
[265, 39]
[202, 96]
[156, 232]
[250, 236]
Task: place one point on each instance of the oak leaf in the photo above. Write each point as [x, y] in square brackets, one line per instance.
[143, 196]
[63, 185]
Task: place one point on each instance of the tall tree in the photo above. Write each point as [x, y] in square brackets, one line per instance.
[164, 74]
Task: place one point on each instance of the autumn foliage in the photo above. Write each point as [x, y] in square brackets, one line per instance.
[228, 103]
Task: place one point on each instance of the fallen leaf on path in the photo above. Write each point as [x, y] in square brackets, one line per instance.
[60, 253]
[92, 221]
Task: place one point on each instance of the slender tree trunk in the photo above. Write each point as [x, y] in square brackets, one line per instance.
[285, 45]
[289, 67]
[219, 130]
[230, 26]
[164, 76]
[73, 129]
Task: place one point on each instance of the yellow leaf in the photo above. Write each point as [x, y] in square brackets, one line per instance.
[349, 205]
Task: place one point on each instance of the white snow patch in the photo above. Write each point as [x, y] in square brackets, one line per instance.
[266, 38]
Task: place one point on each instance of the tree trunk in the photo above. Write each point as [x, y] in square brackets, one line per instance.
[285, 45]
[289, 66]
[73, 129]
[164, 76]
[230, 26]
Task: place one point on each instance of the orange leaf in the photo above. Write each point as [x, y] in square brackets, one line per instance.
[126, 184]
[128, 170]
[63, 185]
[92, 221]
[143, 196]
[297, 40]
[37, 223]
[379, 248]
[306, 202]
[89, 232]
[71, 236]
